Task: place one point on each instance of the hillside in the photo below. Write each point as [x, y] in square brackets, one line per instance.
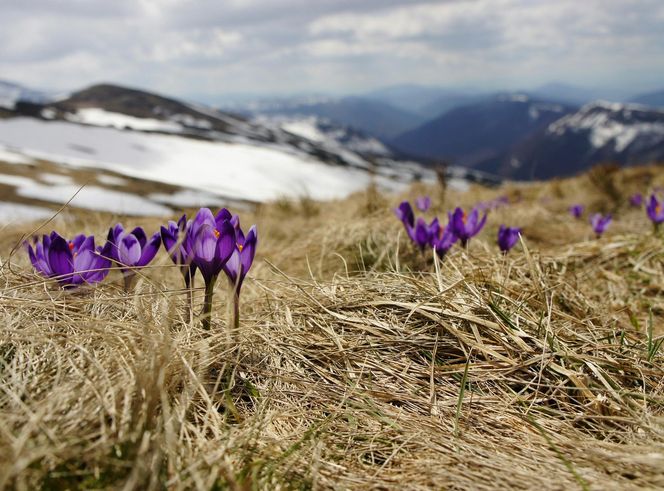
[358, 362]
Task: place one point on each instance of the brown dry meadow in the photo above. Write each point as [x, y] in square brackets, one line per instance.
[359, 363]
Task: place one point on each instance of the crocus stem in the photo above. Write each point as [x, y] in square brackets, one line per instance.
[236, 308]
[128, 281]
[207, 303]
[189, 286]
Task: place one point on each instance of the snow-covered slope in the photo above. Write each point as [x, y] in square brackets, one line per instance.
[239, 170]
[615, 126]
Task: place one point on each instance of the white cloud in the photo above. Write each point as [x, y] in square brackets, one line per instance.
[204, 46]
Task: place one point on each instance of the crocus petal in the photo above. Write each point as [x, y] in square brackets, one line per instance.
[226, 243]
[169, 237]
[150, 249]
[405, 213]
[205, 244]
[60, 258]
[139, 233]
[249, 249]
[129, 250]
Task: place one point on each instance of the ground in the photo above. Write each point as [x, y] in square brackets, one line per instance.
[359, 363]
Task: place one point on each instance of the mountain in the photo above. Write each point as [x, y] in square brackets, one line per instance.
[575, 95]
[651, 99]
[471, 134]
[204, 154]
[598, 132]
[415, 98]
[10, 93]
[373, 117]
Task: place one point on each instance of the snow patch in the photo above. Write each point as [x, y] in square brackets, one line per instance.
[111, 180]
[94, 198]
[55, 178]
[13, 157]
[17, 212]
[187, 199]
[100, 117]
[256, 172]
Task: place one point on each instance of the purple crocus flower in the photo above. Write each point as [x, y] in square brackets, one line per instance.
[71, 263]
[576, 210]
[423, 203]
[508, 237]
[655, 211]
[238, 265]
[600, 223]
[212, 241]
[405, 214]
[445, 240]
[636, 200]
[179, 249]
[131, 250]
[465, 227]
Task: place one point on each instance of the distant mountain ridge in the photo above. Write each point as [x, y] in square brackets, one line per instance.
[597, 132]
[471, 134]
[374, 117]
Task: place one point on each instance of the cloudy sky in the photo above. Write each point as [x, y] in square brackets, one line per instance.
[203, 48]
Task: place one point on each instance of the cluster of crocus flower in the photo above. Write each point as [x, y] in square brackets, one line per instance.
[208, 243]
[460, 227]
[72, 263]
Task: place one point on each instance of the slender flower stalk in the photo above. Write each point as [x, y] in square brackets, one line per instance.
[466, 226]
[72, 263]
[508, 237]
[576, 210]
[131, 250]
[655, 211]
[212, 240]
[600, 223]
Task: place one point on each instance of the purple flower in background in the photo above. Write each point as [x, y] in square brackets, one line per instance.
[465, 227]
[600, 223]
[636, 200]
[179, 249]
[131, 250]
[71, 263]
[508, 237]
[576, 210]
[423, 203]
[444, 242]
[426, 234]
[655, 211]
[405, 213]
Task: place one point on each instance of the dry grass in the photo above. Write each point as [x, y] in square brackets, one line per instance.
[358, 364]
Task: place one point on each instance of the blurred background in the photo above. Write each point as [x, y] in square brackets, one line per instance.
[155, 105]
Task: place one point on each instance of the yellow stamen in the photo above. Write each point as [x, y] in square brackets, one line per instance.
[463, 218]
[216, 233]
[240, 247]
